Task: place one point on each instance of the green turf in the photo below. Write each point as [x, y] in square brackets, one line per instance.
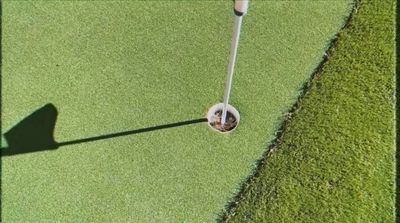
[112, 66]
[336, 160]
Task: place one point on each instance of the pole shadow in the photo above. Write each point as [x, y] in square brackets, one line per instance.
[35, 133]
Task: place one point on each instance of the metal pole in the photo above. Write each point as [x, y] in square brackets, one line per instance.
[231, 65]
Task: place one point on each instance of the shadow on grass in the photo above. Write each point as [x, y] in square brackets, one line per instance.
[35, 133]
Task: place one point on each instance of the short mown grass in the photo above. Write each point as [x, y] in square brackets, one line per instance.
[115, 66]
[335, 160]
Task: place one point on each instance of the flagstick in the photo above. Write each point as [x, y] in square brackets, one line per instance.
[231, 65]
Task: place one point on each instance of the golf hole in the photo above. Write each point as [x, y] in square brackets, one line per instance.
[214, 118]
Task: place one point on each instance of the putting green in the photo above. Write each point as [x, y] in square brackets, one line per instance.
[115, 66]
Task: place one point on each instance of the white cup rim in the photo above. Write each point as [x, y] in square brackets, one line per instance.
[219, 106]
